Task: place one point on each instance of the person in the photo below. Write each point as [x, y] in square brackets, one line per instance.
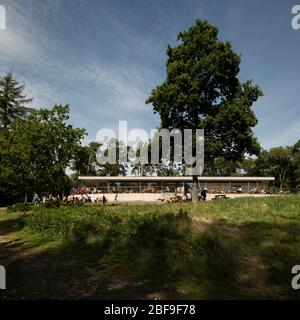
[204, 194]
[116, 197]
[36, 199]
[57, 200]
[104, 200]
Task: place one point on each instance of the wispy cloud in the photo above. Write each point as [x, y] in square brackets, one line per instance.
[105, 57]
[24, 50]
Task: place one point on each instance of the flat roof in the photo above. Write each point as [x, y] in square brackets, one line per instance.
[170, 179]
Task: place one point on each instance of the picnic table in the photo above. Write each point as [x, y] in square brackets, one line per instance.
[220, 196]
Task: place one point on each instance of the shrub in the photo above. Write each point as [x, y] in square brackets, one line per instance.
[51, 204]
[22, 207]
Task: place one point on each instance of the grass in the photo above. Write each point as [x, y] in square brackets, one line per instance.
[229, 249]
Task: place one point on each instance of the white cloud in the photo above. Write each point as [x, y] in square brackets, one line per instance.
[28, 50]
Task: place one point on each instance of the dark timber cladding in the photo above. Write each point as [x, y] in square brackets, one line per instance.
[213, 184]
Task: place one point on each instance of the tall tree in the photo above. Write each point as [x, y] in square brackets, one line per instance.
[221, 167]
[202, 90]
[113, 169]
[296, 152]
[14, 175]
[12, 101]
[138, 167]
[85, 162]
[293, 171]
[296, 174]
[277, 162]
[48, 145]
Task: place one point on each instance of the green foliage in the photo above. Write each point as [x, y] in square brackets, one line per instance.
[295, 178]
[50, 144]
[50, 204]
[35, 153]
[241, 248]
[12, 101]
[85, 162]
[220, 167]
[202, 90]
[280, 162]
[69, 221]
[113, 169]
[19, 207]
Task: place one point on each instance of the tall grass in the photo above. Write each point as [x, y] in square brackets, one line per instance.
[228, 248]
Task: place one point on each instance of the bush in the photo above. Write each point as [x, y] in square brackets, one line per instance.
[51, 204]
[156, 239]
[70, 222]
[22, 207]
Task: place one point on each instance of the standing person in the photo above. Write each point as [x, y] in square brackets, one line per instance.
[204, 194]
[57, 200]
[104, 200]
[36, 199]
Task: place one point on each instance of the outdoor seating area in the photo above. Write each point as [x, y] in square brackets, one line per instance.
[177, 189]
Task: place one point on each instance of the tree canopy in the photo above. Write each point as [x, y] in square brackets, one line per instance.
[281, 162]
[202, 90]
[35, 153]
[12, 101]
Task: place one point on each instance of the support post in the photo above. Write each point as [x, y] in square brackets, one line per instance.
[195, 192]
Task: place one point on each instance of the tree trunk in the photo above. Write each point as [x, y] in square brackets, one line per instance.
[195, 192]
[26, 196]
[282, 178]
[88, 166]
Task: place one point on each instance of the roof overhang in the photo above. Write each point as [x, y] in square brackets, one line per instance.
[170, 179]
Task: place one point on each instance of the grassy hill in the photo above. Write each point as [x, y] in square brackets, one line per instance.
[229, 249]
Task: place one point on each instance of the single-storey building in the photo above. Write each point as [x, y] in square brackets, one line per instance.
[132, 188]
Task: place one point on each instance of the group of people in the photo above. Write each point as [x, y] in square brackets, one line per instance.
[71, 199]
[185, 196]
[77, 199]
[44, 198]
[102, 200]
[257, 191]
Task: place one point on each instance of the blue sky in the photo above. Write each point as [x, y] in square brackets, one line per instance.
[105, 57]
